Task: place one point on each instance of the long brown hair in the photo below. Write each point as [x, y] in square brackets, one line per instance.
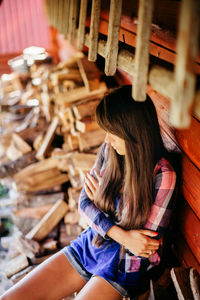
[137, 124]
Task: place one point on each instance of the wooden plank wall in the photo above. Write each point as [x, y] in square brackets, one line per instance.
[187, 143]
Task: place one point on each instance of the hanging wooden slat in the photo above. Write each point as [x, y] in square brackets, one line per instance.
[187, 49]
[113, 37]
[94, 30]
[54, 7]
[81, 28]
[162, 80]
[65, 23]
[142, 50]
[60, 15]
[73, 19]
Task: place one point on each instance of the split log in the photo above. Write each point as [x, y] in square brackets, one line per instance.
[72, 217]
[142, 50]
[47, 139]
[73, 142]
[12, 167]
[73, 195]
[81, 28]
[17, 148]
[86, 125]
[83, 161]
[83, 74]
[49, 221]
[16, 264]
[49, 183]
[33, 212]
[91, 139]
[18, 276]
[94, 30]
[41, 166]
[80, 94]
[85, 109]
[113, 37]
[73, 229]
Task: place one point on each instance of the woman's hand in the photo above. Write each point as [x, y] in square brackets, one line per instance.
[138, 241]
[91, 184]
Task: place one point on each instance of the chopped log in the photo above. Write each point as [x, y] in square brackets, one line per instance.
[86, 125]
[85, 109]
[73, 229]
[16, 264]
[33, 212]
[113, 37]
[72, 217]
[81, 93]
[49, 244]
[90, 139]
[185, 78]
[83, 161]
[65, 239]
[81, 28]
[73, 195]
[12, 167]
[41, 166]
[47, 139]
[94, 30]
[83, 74]
[142, 50]
[17, 277]
[72, 141]
[49, 221]
[180, 277]
[38, 178]
[17, 148]
[50, 182]
[75, 181]
[41, 200]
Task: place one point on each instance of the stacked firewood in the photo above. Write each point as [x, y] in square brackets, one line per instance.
[49, 142]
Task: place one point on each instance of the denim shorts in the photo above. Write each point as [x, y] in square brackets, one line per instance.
[72, 257]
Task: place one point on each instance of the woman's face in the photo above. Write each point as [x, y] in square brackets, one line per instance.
[116, 142]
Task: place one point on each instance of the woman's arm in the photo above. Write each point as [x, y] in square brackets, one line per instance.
[96, 219]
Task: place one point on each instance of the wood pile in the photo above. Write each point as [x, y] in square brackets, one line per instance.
[49, 142]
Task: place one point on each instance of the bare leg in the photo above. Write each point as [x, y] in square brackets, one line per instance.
[99, 289]
[54, 279]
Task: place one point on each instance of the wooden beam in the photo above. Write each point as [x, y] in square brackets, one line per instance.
[81, 28]
[113, 37]
[94, 30]
[142, 50]
[185, 78]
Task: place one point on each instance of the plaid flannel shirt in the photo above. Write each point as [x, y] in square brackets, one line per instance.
[164, 186]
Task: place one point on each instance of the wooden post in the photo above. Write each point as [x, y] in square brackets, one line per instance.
[94, 30]
[187, 50]
[72, 19]
[65, 24]
[113, 37]
[81, 28]
[142, 50]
